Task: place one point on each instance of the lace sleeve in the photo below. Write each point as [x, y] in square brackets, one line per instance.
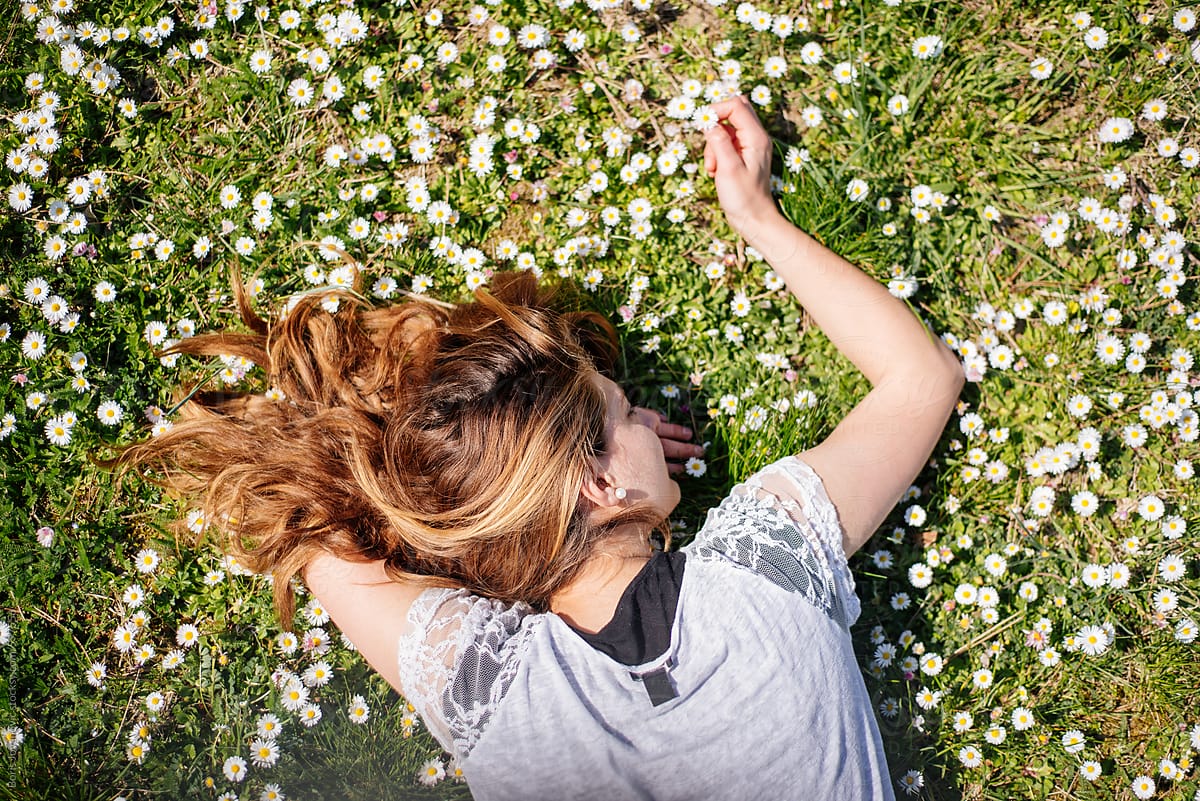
[781, 524]
[458, 659]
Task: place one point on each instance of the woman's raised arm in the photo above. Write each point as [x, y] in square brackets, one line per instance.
[873, 455]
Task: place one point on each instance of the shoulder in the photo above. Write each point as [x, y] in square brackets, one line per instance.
[780, 524]
[457, 659]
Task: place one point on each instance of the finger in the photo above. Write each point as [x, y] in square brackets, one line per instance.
[650, 418]
[744, 120]
[726, 104]
[673, 431]
[681, 450]
[724, 153]
[674, 469]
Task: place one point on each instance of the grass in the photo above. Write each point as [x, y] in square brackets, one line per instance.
[980, 131]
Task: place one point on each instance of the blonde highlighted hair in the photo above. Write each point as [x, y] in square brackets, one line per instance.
[450, 442]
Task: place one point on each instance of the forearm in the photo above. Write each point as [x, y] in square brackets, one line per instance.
[875, 331]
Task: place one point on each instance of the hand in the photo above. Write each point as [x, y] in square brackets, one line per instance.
[674, 438]
[737, 155]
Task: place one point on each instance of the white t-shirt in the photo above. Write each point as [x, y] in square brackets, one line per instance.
[770, 702]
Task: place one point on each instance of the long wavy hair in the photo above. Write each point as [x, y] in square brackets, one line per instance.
[451, 441]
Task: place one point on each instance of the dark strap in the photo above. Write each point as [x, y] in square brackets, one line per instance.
[658, 685]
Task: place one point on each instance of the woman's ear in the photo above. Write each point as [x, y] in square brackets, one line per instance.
[598, 491]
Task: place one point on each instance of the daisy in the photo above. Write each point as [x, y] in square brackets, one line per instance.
[234, 769]
[1095, 576]
[133, 596]
[317, 674]
[264, 753]
[96, 673]
[1167, 147]
[146, 560]
[230, 196]
[1172, 568]
[1040, 69]
[704, 118]
[970, 757]
[920, 576]
[1174, 527]
[260, 62]
[1053, 235]
[927, 47]
[1073, 741]
[1095, 38]
[295, 697]
[1116, 129]
[310, 715]
[300, 92]
[155, 702]
[268, 726]
[431, 772]
[1091, 770]
[911, 782]
[1143, 787]
[1022, 719]
[136, 752]
[1093, 640]
[187, 635]
[1150, 508]
[857, 190]
[33, 346]
[844, 72]
[20, 197]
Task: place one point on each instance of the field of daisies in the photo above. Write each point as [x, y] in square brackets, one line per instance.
[1023, 174]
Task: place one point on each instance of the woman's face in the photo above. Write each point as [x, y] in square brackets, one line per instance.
[634, 456]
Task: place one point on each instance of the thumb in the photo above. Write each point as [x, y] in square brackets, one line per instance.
[721, 146]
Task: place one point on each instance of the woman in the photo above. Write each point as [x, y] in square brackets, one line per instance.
[472, 499]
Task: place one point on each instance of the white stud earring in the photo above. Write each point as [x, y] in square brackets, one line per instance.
[620, 493]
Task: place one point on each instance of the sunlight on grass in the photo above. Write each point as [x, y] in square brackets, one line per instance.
[1023, 174]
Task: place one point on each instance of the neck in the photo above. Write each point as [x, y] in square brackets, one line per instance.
[590, 600]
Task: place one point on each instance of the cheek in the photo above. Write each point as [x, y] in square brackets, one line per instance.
[637, 448]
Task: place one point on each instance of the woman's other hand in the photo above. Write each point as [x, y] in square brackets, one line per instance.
[737, 156]
[674, 439]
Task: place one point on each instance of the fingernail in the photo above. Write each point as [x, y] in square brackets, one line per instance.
[687, 432]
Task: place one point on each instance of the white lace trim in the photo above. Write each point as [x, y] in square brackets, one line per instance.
[785, 498]
[458, 660]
